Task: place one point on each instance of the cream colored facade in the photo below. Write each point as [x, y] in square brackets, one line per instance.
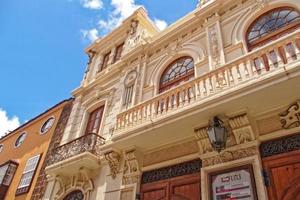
[226, 84]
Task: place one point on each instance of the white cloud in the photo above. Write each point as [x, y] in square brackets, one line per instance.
[92, 4]
[121, 9]
[161, 24]
[7, 124]
[91, 34]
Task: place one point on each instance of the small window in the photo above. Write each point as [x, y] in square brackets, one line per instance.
[28, 175]
[119, 51]
[1, 147]
[20, 140]
[105, 61]
[47, 125]
[94, 121]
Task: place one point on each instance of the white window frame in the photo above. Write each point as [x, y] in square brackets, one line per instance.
[30, 167]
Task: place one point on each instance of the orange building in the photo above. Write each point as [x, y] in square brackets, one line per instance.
[23, 153]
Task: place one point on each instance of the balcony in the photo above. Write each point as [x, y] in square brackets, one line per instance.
[276, 61]
[81, 152]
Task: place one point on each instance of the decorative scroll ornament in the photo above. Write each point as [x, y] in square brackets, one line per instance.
[113, 159]
[291, 117]
[202, 140]
[172, 171]
[281, 145]
[241, 129]
[132, 171]
[227, 156]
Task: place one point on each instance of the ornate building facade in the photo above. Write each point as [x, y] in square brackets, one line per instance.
[23, 153]
[139, 124]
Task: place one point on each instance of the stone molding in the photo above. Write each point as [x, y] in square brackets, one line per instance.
[113, 158]
[227, 156]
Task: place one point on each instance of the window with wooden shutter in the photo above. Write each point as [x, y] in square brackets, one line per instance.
[119, 51]
[7, 172]
[94, 121]
[28, 174]
[105, 61]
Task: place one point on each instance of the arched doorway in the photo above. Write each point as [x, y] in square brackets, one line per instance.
[75, 195]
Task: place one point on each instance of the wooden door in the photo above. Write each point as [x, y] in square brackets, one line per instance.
[185, 188]
[155, 191]
[284, 176]
[179, 188]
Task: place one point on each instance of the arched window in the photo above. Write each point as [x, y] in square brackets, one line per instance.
[75, 195]
[272, 25]
[179, 71]
[94, 121]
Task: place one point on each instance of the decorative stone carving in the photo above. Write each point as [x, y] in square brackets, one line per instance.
[241, 129]
[261, 3]
[227, 156]
[132, 172]
[214, 46]
[291, 117]
[130, 78]
[281, 145]
[113, 159]
[136, 36]
[202, 140]
[81, 181]
[174, 48]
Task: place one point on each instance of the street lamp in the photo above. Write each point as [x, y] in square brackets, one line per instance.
[217, 134]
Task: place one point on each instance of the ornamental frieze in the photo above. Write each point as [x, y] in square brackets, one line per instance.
[281, 145]
[227, 156]
[291, 117]
[181, 169]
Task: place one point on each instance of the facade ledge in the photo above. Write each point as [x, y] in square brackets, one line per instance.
[72, 165]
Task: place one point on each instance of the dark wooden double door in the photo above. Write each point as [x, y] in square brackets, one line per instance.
[283, 172]
[179, 188]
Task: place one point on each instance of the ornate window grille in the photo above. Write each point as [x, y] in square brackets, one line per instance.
[178, 71]
[272, 25]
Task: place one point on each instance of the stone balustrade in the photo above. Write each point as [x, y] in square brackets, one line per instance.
[87, 143]
[260, 63]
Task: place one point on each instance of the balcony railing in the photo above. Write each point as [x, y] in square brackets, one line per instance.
[256, 65]
[87, 143]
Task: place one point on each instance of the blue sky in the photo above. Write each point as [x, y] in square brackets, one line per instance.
[42, 42]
